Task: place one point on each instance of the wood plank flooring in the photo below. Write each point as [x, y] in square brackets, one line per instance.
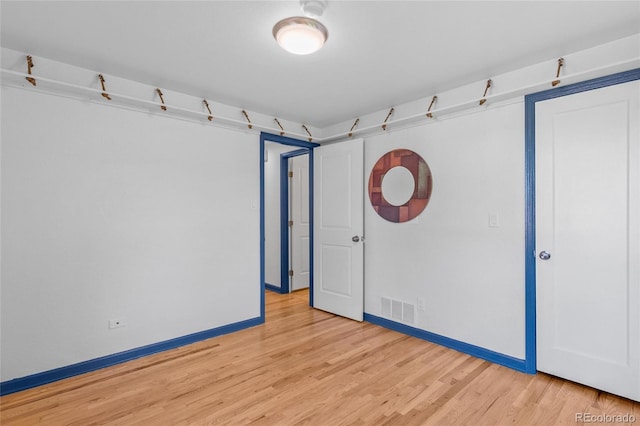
[309, 367]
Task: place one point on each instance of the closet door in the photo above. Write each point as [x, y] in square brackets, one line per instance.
[588, 238]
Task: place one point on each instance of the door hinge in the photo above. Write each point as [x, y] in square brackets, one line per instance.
[290, 174]
[291, 272]
[290, 223]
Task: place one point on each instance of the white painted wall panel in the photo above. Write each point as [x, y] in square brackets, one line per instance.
[470, 275]
[108, 213]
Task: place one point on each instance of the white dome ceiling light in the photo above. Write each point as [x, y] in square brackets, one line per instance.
[302, 35]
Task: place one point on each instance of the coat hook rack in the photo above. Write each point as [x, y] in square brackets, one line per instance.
[206, 104]
[433, 102]
[279, 125]
[384, 124]
[122, 99]
[163, 107]
[486, 89]
[554, 83]
[104, 90]
[355, 123]
[29, 66]
[308, 132]
[248, 120]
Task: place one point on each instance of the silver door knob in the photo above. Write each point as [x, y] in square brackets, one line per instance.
[355, 238]
[544, 255]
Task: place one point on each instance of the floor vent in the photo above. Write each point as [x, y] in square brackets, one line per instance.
[385, 307]
[398, 310]
[408, 313]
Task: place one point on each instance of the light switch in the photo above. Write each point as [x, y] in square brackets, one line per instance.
[493, 220]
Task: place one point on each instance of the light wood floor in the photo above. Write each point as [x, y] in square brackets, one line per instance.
[309, 367]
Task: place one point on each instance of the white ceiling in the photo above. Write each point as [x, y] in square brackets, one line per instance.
[379, 53]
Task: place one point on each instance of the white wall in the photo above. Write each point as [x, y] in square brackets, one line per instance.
[471, 276]
[109, 213]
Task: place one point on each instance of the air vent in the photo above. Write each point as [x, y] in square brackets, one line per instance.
[408, 313]
[396, 310]
[385, 306]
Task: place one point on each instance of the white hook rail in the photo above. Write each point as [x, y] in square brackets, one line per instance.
[473, 103]
[115, 96]
[368, 130]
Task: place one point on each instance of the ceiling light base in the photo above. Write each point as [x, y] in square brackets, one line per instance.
[313, 8]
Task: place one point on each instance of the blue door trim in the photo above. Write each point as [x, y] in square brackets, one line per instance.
[306, 147]
[530, 192]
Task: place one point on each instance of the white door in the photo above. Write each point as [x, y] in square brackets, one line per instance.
[299, 214]
[588, 229]
[338, 274]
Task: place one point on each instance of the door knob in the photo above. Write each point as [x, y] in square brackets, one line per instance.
[355, 238]
[544, 255]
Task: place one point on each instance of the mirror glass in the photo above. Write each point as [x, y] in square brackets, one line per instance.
[398, 186]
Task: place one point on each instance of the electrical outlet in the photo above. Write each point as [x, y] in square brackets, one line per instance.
[421, 305]
[117, 323]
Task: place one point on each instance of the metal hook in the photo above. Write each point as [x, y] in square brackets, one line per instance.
[248, 120]
[104, 90]
[355, 123]
[210, 117]
[384, 125]
[486, 89]
[308, 132]
[164, 108]
[279, 125]
[554, 83]
[29, 66]
[433, 101]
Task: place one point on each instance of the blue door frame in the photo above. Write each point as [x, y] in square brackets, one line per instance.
[305, 148]
[530, 193]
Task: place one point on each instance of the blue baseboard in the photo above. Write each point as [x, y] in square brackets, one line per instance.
[22, 383]
[274, 288]
[477, 351]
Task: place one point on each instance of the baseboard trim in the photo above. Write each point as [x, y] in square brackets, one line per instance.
[274, 288]
[38, 379]
[467, 348]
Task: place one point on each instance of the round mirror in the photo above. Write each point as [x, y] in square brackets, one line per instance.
[398, 186]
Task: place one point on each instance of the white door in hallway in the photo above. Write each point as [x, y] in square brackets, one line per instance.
[588, 238]
[299, 205]
[338, 281]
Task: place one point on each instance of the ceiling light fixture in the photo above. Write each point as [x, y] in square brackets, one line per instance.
[302, 35]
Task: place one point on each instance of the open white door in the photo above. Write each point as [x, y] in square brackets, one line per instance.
[299, 214]
[338, 277]
[588, 238]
